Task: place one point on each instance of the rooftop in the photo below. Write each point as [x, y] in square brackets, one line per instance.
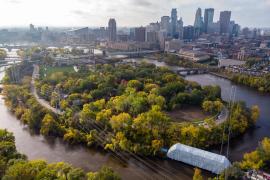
[200, 158]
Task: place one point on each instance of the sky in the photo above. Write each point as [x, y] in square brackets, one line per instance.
[250, 13]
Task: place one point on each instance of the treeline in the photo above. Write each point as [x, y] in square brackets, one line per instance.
[14, 165]
[15, 74]
[3, 54]
[123, 108]
[262, 84]
[256, 160]
[175, 60]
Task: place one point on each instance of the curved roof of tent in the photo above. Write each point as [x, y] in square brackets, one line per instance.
[200, 158]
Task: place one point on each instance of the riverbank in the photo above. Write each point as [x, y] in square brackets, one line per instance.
[161, 162]
[22, 168]
[258, 83]
[55, 150]
[220, 75]
[249, 141]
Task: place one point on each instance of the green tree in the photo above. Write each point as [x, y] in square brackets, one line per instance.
[120, 121]
[49, 126]
[252, 161]
[105, 174]
[197, 174]
[24, 170]
[255, 113]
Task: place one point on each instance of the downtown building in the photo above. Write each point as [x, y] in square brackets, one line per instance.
[208, 19]
[224, 20]
[174, 33]
[112, 30]
[165, 25]
[198, 23]
[140, 34]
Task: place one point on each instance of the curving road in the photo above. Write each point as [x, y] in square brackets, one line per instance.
[41, 101]
[223, 116]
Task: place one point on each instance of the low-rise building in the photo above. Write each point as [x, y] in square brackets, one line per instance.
[230, 62]
[173, 45]
[192, 55]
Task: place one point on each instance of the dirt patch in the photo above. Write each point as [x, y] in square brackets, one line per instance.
[188, 114]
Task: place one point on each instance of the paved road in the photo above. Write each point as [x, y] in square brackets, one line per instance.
[41, 101]
[223, 116]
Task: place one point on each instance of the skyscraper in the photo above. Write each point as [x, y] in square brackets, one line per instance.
[224, 19]
[180, 28]
[32, 28]
[208, 18]
[174, 23]
[198, 19]
[198, 23]
[165, 24]
[140, 34]
[188, 33]
[112, 30]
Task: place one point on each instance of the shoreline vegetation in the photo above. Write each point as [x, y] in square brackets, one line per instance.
[260, 84]
[123, 106]
[14, 165]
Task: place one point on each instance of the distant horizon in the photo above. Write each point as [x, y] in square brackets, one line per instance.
[94, 27]
[128, 13]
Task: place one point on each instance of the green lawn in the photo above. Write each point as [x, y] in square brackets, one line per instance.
[50, 70]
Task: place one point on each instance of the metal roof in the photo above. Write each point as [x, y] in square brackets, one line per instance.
[200, 158]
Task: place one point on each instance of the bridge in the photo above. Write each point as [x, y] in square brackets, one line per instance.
[190, 71]
[132, 53]
[14, 46]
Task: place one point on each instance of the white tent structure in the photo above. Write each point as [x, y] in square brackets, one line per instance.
[199, 158]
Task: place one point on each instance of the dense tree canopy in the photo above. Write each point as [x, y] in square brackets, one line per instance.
[123, 107]
[262, 84]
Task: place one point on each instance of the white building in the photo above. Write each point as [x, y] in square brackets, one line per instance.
[197, 157]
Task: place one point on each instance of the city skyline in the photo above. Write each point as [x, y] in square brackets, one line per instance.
[128, 13]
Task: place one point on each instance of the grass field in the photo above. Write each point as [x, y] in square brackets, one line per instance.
[188, 114]
[50, 70]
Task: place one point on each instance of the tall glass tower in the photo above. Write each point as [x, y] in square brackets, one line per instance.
[112, 30]
[198, 23]
[208, 18]
[174, 23]
[224, 19]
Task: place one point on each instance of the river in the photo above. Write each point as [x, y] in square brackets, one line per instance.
[249, 141]
[55, 150]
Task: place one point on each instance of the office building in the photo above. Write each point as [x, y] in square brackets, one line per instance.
[214, 28]
[140, 34]
[165, 24]
[224, 19]
[152, 37]
[174, 23]
[198, 23]
[112, 30]
[208, 18]
[180, 28]
[173, 45]
[188, 33]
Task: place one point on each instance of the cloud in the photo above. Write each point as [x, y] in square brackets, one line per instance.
[126, 12]
[14, 1]
[144, 3]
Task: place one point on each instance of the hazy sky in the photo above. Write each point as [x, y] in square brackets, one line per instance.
[252, 13]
